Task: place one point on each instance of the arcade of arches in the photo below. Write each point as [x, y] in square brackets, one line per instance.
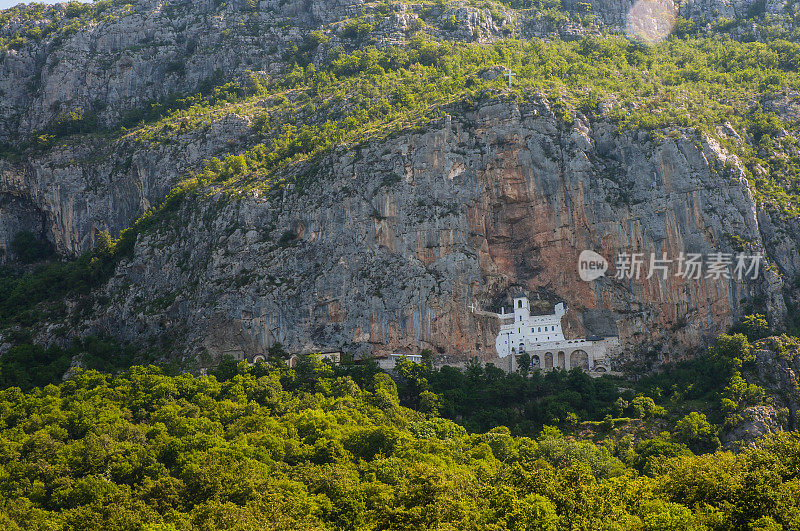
[577, 358]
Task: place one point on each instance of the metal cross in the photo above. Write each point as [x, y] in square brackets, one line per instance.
[508, 74]
[472, 307]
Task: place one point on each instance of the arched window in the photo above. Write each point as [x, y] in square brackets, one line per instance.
[519, 304]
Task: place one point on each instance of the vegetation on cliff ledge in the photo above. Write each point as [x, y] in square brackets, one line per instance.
[369, 93]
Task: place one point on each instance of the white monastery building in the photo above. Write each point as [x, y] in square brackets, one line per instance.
[541, 337]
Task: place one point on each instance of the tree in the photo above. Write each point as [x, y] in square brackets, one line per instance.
[429, 403]
[646, 408]
[29, 248]
[754, 326]
[697, 433]
[226, 369]
[732, 347]
[620, 405]
[236, 165]
[385, 391]
[524, 361]
[534, 512]
[103, 245]
[648, 452]
[427, 358]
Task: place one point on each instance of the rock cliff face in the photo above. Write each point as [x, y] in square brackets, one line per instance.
[385, 246]
[775, 369]
[132, 55]
[71, 193]
[104, 67]
[388, 245]
[129, 55]
[145, 52]
[614, 13]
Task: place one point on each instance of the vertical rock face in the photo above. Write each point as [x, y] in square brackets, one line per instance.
[107, 66]
[105, 69]
[775, 368]
[18, 214]
[71, 193]
[385, 247]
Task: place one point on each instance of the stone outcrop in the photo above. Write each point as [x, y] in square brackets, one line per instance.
[126, 57]
[776, 369]
[130, 55]
[615, 13]
[146, 52]
[118, 63]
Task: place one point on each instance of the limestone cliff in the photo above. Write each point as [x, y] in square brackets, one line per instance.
[107, 62]
[775, 370]
[390, 243]
[81, 187]
[135, 53]
[384, 245]
[104, 67]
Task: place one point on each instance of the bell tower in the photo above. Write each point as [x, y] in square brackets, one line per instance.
[522, 309]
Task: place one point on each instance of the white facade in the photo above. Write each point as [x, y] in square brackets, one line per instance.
[542, 338]
[521, 331]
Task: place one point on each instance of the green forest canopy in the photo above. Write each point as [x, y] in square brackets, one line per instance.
[267, 449]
